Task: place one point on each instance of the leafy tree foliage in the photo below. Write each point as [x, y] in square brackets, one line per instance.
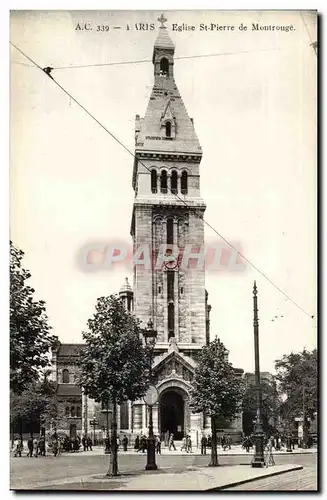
[297, 384]
[270, 406]
[30, 338]
[217, 390]
[34, 407]
[114, 364]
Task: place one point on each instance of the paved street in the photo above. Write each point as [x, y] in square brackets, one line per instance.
[67, 469]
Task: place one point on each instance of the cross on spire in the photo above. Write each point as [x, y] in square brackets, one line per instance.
[162, 20]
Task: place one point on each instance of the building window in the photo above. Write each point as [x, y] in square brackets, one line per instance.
[170, 286]
[173, 182]
[163, 182]
[65, 376]
[168, 129]
[72, 411]
[164, 66]
[159, 289]
[78, 411]
[153, 181]
[67, 412]
[170, 232]
[171, 320]
[184, 182]
[182, 290]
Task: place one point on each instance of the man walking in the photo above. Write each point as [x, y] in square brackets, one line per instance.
[35, 447]
[42, 446]
[189, 444]
[204, 443]
[89, 443]
[125, 442]
[30, 446]
[158, 445]
[171, 442]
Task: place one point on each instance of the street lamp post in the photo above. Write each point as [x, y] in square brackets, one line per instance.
[149, 336]
[258, 459]
[107, 450]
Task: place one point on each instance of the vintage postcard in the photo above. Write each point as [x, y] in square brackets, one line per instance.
[163, 264]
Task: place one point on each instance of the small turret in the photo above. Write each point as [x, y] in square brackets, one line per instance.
[126, 294]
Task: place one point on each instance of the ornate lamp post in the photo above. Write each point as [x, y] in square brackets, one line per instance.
[150, 398]
[258, 459]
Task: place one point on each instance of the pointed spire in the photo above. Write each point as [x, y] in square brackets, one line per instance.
[163, 40]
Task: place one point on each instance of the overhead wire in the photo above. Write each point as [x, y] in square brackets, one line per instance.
[48, 71]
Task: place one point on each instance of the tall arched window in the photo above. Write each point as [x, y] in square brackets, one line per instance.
[65, 376]
[163, 182]
[153, 181]
[164, 66]
[173, 182]
[67, 411]
[78, 411]
[170, 232]
[171, 320]
[168, 129]
[72, 411]
[184, 182]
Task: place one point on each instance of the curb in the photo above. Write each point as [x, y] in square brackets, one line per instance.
[250, 480]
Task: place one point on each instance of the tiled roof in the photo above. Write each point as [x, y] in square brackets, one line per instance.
[185, 141]
[69, 390]
[163, 40]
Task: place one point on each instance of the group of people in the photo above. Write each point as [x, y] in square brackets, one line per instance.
[38, 446]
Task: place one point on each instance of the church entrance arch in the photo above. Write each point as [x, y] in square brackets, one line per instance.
[172, 413]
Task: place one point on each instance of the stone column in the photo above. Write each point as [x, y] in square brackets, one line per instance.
[137, 418]
[130, 408]
[195, 430]
[155, 415]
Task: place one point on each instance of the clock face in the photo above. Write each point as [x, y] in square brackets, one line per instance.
[171, 264]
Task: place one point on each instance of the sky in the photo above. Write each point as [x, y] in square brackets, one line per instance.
[254, 110]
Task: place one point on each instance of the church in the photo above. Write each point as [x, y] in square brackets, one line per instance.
[167, 212]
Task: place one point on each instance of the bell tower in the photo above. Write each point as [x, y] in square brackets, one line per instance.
[168, 213]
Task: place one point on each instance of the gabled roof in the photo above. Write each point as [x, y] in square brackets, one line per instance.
[185, 360]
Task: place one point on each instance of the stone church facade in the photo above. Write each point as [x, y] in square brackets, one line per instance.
[167, 221]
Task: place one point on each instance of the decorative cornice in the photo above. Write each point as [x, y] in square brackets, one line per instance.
[185, 157]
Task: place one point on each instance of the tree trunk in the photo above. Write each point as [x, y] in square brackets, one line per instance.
[214, 455]
[113, 461]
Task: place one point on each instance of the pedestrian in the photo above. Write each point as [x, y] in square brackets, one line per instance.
[189, 444]
[42, 446]
[158, 445]
[183, 447]
[209, 441]
[55, 447]
[228, 441]
[125, 442]
[137, 443]
[18, 448]
[60, 445]
[204, 443]
[84, 443]
[143, 443]
[171, 442]
[89, 443]
[269, 458]
[223, 442]
[35, 447]
[167, 438]
[118, 443]
[247, 444]
[30, 446]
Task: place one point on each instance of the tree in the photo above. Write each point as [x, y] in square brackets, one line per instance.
[33, 407]
[270, 405]
[30, 338]
[217, 390]
[114, 364]
[297, 384]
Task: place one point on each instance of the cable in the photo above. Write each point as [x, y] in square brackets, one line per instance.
[48, 71]
[119, 63]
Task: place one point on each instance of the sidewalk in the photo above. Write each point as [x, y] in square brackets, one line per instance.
[192, 479]
[236, 450]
